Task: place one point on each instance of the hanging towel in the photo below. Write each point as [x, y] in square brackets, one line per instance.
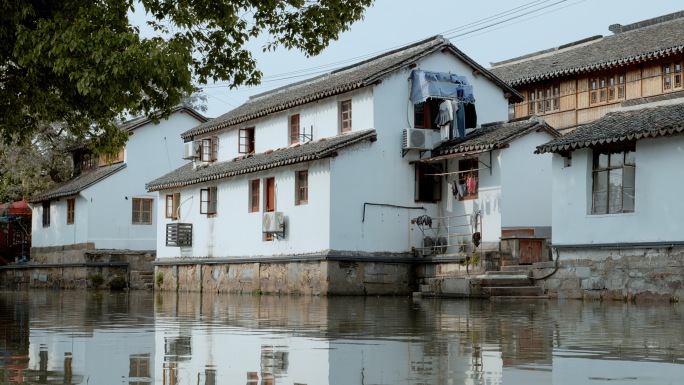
[471, 183]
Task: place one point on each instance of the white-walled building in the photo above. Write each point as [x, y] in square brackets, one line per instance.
[105, 205]
[617, 224]
[313, 187]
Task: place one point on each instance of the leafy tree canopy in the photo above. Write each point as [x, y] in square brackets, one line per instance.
[83, 65]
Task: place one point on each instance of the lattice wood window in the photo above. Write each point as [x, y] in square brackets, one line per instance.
[71, 211]
[142, 211]
[254, 186]
[613, 180]
[302, 187]
[346, 116]
[672, 75]
[608, 88]
[294, 129]
[209, 149]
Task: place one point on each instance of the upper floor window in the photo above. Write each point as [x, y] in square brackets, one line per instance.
[302, 187]
[345, 116]
[142, 211]
[107, 159]
[672, 75]
[544, 100]
[71, 211]
[294, 129]
[172, 204]
[604, 89]
[246, 145]
[46, 214]
[613, 180]
[209, 149]
[428, 183]
[208, 200]
[425, 113]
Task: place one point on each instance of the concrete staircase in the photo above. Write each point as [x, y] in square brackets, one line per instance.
[142, 280]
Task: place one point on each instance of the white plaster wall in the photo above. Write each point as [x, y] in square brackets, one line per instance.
[237, 233]
[526, 183]
[104, 210]
[658, 204]
[320, 118]
[383, 176]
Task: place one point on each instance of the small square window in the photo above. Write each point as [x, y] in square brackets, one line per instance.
[142, 211]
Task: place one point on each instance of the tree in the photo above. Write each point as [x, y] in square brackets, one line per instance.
[82, 65]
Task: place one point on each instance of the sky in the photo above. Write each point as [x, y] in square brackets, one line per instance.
[487, 31]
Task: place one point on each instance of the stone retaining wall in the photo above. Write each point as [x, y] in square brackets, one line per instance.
[73, 267]
[316, 277]
[637, 274]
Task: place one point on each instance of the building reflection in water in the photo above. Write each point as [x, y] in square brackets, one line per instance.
[187, 338]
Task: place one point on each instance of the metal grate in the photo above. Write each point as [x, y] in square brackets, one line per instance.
[179, 234]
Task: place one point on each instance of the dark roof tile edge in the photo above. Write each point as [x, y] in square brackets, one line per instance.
[48, 196]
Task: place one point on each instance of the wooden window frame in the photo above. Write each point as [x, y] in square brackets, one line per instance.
[209, 149]
[612, 167]
[672, 75]
[71, 211]
[254, 195]
[172, 204]
[471, 165]
[531, 102]
[138, 211]
[346, 115]
[269, 201]
[246, 144]
[606, 88]
[428, 185]
[108, 159]
[46, 214]
[209, 201]
[301, 187]
[294, 128]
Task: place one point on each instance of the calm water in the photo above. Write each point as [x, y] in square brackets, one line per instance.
[144, 338]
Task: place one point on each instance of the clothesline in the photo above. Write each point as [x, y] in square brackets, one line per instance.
[460, 172]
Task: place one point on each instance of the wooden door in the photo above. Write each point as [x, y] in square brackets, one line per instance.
[530, 251]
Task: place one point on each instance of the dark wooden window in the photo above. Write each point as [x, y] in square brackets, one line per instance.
[294, 129]
[530, 102]
[428, 184]
[346, 116]
[139, 367]
[468, 179]
[172, 204]
[208, 200]
[672, 76]
[142, 211]
[209, 149]
[46, 214]
[613, 180]
[302, 187]
[607, 88]
[424, 114]
[71, 211]
[247, 140]
[254, 186]
[269, 201]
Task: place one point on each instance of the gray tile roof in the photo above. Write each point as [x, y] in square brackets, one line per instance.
[140, 121]
[339, 81]
[78, 183]
[493, 136]
[647, 40]
[622, 126]
[322, 148]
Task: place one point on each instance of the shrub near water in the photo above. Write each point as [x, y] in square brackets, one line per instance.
[117, 283]
[97, 280]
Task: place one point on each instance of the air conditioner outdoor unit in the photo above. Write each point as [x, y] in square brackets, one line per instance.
[417, 139]
[273, 222]
[191, 150]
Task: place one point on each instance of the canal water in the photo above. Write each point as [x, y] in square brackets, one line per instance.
[102, 338]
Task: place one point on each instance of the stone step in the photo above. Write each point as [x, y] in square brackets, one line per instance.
[516, 268]
[504, 280]
[518, 298]
[508, 291]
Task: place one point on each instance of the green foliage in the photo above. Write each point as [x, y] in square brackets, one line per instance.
[159, 279]
[97, 280]
[118, 283]
[84, 65]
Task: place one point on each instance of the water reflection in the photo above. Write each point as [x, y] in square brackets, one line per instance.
[169, 339]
